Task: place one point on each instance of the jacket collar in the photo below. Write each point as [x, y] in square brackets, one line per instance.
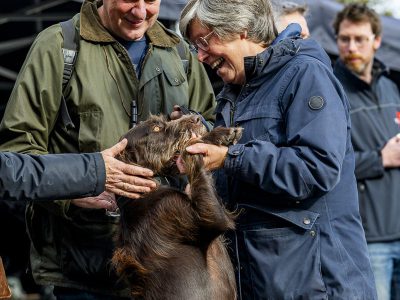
[271, 59]
[92, 30]
[347, 76]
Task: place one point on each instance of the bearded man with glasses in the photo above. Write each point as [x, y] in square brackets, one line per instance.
[375, 106]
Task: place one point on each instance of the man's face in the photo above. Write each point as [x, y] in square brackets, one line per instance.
[357, 46]
[295, 17]
[129, 19]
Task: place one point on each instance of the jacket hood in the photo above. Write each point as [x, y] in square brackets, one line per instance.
[287, 46]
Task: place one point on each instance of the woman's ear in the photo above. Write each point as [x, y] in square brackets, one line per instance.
[243, 35]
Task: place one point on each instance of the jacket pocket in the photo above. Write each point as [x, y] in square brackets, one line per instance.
[90, 126]
[175, 88]
[174, 77]
[165, 87]
[262, 124]
[284, 263]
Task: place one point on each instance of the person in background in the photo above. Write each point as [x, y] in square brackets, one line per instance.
[287, 12]
[126, 58]
[291, 175]
[169, 13]
[375, 119]
[42, 177]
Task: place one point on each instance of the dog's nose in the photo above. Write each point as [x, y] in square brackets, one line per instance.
[196, 119]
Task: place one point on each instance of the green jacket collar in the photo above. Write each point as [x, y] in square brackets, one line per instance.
[92, 30]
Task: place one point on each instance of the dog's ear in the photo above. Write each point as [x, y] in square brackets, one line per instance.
[154, 124]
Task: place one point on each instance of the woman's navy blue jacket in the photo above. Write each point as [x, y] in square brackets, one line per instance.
[299, 233]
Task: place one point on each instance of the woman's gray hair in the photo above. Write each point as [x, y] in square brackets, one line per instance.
[230, 17]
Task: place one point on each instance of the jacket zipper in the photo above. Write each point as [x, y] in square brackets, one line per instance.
[233, 106]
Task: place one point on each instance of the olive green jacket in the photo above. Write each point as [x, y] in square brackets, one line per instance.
[71, 246]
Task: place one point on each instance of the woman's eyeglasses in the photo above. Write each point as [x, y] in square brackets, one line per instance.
[202, 43]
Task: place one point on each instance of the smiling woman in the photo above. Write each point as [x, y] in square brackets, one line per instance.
[222, 47]
[291, 175]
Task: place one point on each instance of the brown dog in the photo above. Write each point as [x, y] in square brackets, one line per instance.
[170, 245]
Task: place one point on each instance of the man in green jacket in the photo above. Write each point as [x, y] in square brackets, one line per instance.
[124, 55]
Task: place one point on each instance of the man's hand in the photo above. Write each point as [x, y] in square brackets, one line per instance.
[391, 153]
[124, 179]
[176, 113]
[104, 200]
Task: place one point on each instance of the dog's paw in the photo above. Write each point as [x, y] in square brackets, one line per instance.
[193, 163]
[223, 136]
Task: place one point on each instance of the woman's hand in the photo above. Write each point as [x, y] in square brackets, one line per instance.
[214, 156]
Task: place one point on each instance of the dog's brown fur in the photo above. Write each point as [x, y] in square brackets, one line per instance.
[170, 245]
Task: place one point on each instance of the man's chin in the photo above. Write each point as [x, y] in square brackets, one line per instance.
[356, 68]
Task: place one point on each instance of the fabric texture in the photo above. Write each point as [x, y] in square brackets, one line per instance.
[385, 261]
[31, 177]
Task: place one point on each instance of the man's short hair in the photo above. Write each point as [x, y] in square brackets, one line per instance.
[288, 7]
[359, 13]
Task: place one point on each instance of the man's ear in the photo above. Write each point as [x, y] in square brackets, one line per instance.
[377, 42]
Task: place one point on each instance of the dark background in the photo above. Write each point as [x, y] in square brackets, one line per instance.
[20, 21]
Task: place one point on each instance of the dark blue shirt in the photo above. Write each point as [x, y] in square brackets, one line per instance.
[137, 51]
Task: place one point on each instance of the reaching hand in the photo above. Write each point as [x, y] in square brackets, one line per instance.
[104, 200]
[214, 156]
[176, 113]
[124, 179]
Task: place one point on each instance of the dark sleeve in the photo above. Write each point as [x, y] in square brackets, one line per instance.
[51, 176]
[368, 164]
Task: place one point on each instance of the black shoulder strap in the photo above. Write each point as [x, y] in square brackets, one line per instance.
[182, 54]
[70, 54]
[181, 51]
